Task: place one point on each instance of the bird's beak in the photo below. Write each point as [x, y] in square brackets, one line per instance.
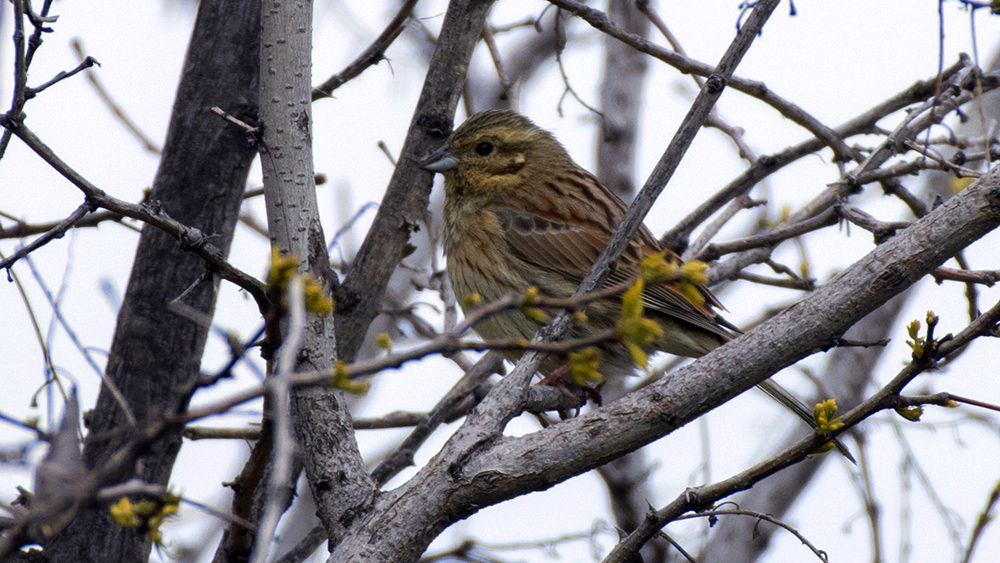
[439, 160]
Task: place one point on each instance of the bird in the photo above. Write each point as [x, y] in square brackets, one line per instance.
[521, 216]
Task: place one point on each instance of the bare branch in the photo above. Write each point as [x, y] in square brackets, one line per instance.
[406, 197]
[190, 238]
[370, 57]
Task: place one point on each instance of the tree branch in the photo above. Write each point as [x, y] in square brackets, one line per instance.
[405, 201]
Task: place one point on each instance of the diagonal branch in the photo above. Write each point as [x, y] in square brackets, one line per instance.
[190, 238]
[371, 56]
[510, 465]
[402, 209]
[440, 493]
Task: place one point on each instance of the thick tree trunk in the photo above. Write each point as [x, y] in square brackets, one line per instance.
[156, 353]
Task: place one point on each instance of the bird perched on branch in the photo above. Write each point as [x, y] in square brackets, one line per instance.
[520, 217]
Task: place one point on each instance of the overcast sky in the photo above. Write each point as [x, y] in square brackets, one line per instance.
[836, 59]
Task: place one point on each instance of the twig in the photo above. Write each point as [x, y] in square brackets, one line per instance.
[398, 419]
[86, 63]
[985, 518]
[15, 115]
[882, 230]
[983, 277]
[190, 238]
[887, 397]
[502, 74]
[771, 238]
[54, 233]
[759, 516]
[600, 21]
[279, 387]
[567, 88]
[370, 56]
[37, 20]
[893, 186]
[788, 283]
[960, 170]
[741, 202]
[93, 219]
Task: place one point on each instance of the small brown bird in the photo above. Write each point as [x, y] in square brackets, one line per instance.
[520, 214]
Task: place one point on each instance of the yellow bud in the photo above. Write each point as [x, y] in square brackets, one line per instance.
[342, 380]
[638, 354]
[824, 416]
[530, 296]
[382, 340]
[912, 414]
[283, 267]
[124, 514]
[695, 272]
[471, 300]
[692, 292]
[632, 300]
[535, 314]
[656, 268]
[318, 301]
[825, 447]
[786, 210]
[583, 366]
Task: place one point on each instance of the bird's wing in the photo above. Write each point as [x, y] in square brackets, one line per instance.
[570, 249]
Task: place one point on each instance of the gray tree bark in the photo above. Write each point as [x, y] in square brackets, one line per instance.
[156, 354]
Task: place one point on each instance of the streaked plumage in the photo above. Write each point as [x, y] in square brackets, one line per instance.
[520, 213]
[541, 220]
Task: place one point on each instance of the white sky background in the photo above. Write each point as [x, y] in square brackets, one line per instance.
[835, 59]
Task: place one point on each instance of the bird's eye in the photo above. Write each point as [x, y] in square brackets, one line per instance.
[484, 148]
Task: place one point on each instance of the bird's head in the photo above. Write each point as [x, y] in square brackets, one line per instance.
[497, 153]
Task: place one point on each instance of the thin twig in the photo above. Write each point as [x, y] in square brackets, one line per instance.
[788, 283]
[983, 277]
[985, 518]
[54, 233]
[886, 398]
[279, 387]
[86, 63]
[369, 57]
[190, 238]
[22, 229]
[759, 516]
[600, 21]
[771, 238]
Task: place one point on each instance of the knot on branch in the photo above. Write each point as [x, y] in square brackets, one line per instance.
[715, 84]
[435, 125]
[191, 239]
[766, 161]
